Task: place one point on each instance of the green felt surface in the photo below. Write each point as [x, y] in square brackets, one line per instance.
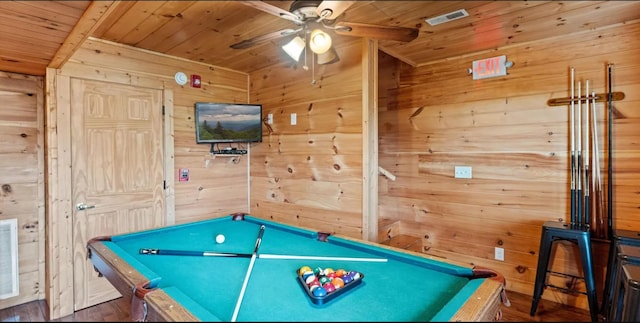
[404, 288]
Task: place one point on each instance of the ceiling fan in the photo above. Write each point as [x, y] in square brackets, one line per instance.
[315, 16]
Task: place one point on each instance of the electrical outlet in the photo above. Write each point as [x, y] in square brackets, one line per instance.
[270, 118]
[462, 172]
[294, 119]
[499, 254]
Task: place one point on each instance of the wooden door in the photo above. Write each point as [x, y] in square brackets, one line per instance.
[117, 172]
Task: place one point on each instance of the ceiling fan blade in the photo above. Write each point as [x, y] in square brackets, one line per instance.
[330, 10]
[271, 9]
[403, 34]
[259, 39]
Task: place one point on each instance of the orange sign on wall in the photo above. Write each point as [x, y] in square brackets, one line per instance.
[490, 67]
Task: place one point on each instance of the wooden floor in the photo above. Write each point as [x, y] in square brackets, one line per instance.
[117, 311]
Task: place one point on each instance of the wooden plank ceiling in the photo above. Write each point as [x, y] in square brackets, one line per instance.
[37, 34]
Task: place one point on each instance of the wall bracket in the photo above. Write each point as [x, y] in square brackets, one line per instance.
[600, 97]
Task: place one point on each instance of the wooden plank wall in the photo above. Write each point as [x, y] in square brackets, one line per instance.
[22, 177]
[435, 117]
[216, 186]
[310, 174]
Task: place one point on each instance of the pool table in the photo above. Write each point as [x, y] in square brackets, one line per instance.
[255, 277]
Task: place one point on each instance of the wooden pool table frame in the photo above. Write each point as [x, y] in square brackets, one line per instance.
[154, 305]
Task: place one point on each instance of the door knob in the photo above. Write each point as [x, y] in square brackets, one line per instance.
[82, 206]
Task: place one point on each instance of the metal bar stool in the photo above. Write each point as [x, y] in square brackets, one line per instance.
[627, 256]
[619, 238]
[553, 231]
[631, 305]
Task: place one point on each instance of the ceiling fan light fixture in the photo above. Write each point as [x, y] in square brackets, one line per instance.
[294, 48]
[328, 57]
[319, 42]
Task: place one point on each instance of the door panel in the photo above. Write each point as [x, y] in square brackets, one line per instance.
[117, 169]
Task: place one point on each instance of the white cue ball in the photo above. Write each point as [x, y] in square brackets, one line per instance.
[220, 238]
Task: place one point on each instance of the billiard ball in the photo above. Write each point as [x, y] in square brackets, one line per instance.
[304, 269]
[319, 292]
[220, 238]
[329, 287]
[337, 282]
[310, 279]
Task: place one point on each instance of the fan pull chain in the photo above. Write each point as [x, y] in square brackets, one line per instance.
[313, 69]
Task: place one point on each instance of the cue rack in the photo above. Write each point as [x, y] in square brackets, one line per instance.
[587, 210]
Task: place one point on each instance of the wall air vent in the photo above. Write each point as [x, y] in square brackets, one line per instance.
[447, 17]
[9, 258]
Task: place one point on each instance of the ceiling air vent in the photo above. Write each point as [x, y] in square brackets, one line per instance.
[447, 17]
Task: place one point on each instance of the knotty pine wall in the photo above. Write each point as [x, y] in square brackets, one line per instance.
[217, 186]
[22, 177]
[435, 117]
[310, 174]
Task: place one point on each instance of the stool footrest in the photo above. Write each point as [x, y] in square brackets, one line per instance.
[564, 289]
[564, 274]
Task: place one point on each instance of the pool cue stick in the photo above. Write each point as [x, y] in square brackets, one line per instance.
[579, 156]
[610, 236]
[267, 256]
[597, 178]
[168, 252]
[610, 159]
[587, 218]
[573, 151]
[246, 277]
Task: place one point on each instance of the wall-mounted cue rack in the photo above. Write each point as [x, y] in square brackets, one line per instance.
[583, 137]
[600, 97]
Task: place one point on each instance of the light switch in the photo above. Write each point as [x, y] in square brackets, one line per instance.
[462, 172]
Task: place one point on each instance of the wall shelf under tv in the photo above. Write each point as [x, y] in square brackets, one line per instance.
[227, 151]
[233, 150]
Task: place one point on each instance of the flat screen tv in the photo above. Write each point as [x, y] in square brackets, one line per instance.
[228, 122]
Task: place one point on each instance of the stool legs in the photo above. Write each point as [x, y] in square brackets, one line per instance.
[610, 278]
[587, 268]
[619, 239]
[631, 310]
[546, 242]
[614, 309]
[552, 231]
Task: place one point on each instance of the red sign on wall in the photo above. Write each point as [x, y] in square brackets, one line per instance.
[489, 67]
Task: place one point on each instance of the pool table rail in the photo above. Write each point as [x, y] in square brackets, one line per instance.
[128, 281]
[483, 306]
[476, 308]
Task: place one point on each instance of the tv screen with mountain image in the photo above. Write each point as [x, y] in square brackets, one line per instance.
[228, 122]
